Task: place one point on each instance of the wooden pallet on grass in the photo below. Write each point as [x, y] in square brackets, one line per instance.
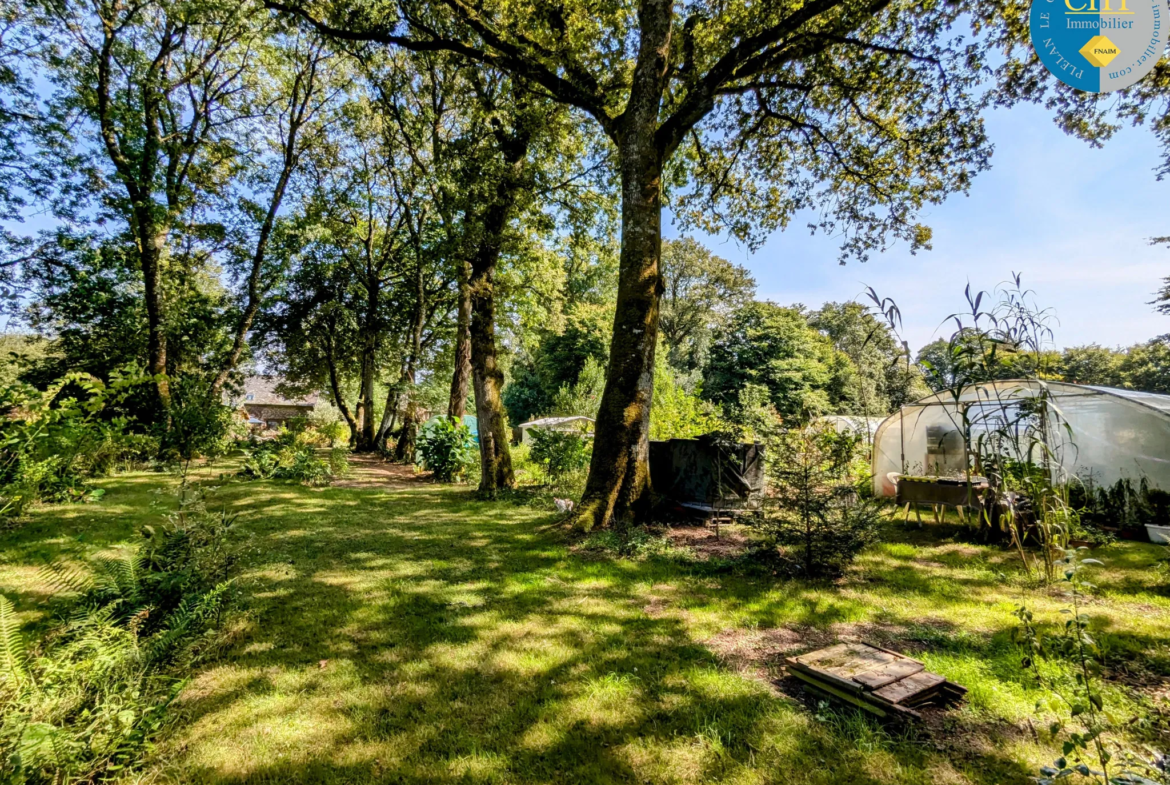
[880, 681]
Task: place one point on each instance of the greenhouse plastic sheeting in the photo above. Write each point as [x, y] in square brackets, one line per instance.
[1115, 434]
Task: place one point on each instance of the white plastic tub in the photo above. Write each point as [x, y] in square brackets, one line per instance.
[1159, 534]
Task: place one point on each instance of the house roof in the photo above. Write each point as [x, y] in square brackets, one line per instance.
[261, 391]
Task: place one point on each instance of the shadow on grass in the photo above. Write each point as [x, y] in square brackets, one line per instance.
[418, 636]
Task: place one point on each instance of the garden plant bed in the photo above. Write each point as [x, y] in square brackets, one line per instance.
[939, 490]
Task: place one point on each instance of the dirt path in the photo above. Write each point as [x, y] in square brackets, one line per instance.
[370, 470]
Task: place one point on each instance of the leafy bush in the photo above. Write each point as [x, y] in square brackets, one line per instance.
[1122, 505]
[583, 397]
[199, 425]
[679, 412]
[50, 441]
[630, 542]
[446, 449]
[87, 699]
[559, 452]
[339, 462]
[815, 513]
[277, 460]
[116, 447]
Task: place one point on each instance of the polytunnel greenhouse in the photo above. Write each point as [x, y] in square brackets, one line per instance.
[1098, 434]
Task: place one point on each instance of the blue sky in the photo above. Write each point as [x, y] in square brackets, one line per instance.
[1073, 220]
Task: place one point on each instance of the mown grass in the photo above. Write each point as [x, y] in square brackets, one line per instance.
[418, 635]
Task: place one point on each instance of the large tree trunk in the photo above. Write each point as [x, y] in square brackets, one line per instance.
[461, 377]
[618, 488]
[487, 378]
[495, 457]
[619, 474]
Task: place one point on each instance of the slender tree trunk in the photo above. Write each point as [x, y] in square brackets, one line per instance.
[338, 398]
[389, 416]
[461, 377]
[255, 294]
[366, 432]
[365, 411]
[404, 450]
[618, 488]
[154, 241]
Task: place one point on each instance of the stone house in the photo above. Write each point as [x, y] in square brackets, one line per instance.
[263, 407]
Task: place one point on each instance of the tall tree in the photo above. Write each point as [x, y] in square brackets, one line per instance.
[774, 347]
[156, 87]
[1092, 364]
[880, 381]
[1146, 366]
[700, 292]
[365, 218]
[857, 108]
[291, 97]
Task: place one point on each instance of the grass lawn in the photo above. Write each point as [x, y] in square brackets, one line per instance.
[411, 634]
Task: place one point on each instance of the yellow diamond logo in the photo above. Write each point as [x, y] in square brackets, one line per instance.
[1100, 51]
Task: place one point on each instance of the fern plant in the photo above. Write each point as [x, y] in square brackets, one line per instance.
[13, 656]
[89, 698]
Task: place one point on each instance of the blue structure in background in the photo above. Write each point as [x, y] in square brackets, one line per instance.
[469, 420]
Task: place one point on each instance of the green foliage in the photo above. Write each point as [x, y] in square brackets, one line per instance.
[1091, 364]
[51, 441]
[679, 413]
[560, 453]
[879, 381]
[1122, 505]
[446, 448]
[339, 462]
[701, 292]
[1069, 667]
[94, 692]
[286, 460]
[549, 381]
[775, 347]
[1143, 366]
[199, 426]
[814, 511]
[628, 542]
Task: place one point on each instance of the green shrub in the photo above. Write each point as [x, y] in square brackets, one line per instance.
[51, 441]
[815, 518]
[199, 426]
[116, 447]
[630, 542]
[445, 448]
[305, 467]
[339, 462]
[85, 702]
[282, 459]
[560, 453]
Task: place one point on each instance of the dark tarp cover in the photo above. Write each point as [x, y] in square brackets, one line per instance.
[708, 472]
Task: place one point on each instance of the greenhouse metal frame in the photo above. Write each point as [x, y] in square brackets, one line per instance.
[1097, 434]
